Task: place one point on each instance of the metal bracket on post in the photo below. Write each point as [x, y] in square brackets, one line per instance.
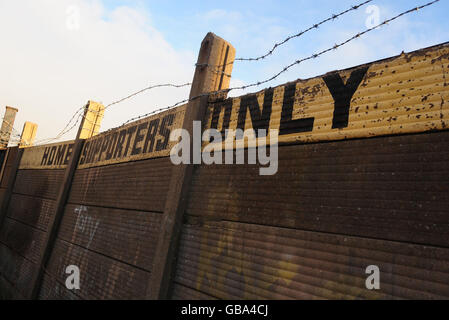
[215, 64]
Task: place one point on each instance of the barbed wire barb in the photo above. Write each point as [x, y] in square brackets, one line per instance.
[297, 62]
[79, 112]
[258, 83]
[300, 34]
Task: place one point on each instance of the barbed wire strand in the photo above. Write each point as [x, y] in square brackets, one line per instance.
[315, 26]
[297, 62]
[11, 126]
[300, 34]
[146, 89]
[219, 68]
[80, 111]
[258, 83]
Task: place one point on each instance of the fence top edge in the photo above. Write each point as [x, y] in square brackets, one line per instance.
[216, 96]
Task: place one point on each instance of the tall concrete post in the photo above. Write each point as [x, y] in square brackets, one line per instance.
[7, 126]
[214, 67]
[28, 135]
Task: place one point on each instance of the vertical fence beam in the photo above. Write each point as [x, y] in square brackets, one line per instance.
[28, 135]
[212, 74]
[11, 181]
[5, 159]
[7, 126]
[61, 200]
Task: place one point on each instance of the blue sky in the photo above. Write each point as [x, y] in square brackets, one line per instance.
[49, 68]
[254, 26]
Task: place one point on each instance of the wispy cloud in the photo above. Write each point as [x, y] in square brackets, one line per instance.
[50, 66]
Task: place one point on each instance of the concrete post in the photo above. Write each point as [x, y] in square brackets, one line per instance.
[61, 201]
[28, 135]
[212, 74]
[7, 126]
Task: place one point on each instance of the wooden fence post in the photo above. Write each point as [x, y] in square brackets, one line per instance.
[215, 63]
[61, 201]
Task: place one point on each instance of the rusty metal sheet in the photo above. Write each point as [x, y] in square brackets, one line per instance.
[240, 261]
[392, 188]
[405, 94]
[17, 270]
[141, 185]
[181, 292]
[3, 156]
[53, 290]
[51, 156]
[101, 278]
[8, 291]
[2, 194]
[32, 211]
[39, 183]
[143, 139]
[135, 233]
[22, 239]
[12, 154]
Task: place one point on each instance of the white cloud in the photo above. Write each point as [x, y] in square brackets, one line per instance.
[49, 68]
[405, 34]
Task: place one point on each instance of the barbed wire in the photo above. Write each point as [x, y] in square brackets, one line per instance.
[156, 111]
[285, 69]
[300, 34]
[315, 26]
[10, 141]
[11, 126]
[258, 83]
[335, 47]
[68, 128]
[146, 89]
[80, 112]
[219, 68]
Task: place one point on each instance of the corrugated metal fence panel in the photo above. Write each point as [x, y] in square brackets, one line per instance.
[231, 260]
[128, 236]
[8, 165]
[110, 229]
[39, 183]
[24, 230]
[16, 271]
[33, 211]
[24, 240]
[182, 292]
[51, 289]
[394, 189]
[141, 185]
[101, 277]
[8, 291]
